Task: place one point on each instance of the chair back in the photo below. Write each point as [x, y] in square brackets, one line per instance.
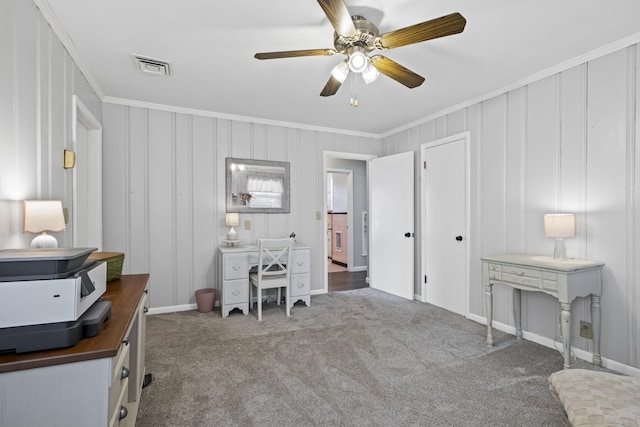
[274, 257]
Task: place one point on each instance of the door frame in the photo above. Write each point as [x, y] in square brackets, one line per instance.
[326, 155]
[80, 113]
[423, 208]
[349, 174]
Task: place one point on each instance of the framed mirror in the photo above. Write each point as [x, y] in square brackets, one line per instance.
[257, 186]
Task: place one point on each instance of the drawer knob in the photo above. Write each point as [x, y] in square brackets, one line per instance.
[235, 293]
[125, 373]
[125, 341]
[146, 291]
[300, 285]
[123, 412]
[459, 238]
[236, 267]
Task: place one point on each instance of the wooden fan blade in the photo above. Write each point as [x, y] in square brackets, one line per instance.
[331, 87]
[339, 17]
[396, 71]
[294, 53]
[439, 27]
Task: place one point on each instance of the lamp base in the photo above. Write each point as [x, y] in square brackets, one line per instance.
[559, 251]
[232, 234]
[44, 240]
[231, 243]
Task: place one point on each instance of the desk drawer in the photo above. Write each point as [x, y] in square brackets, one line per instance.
[236, 291]
[300, 284]
[235, 266]
[300, 261]
[522, 276]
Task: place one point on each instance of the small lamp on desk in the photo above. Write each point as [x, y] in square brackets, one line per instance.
[232, 220]
[560, 226]
[41, 216]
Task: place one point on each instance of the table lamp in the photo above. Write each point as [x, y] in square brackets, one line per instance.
[41, 216]
[559, 226]
[232, 220]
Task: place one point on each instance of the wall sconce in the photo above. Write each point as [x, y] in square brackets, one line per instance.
[559, 226]
[69, 159]
[232, 220]
[41, 216]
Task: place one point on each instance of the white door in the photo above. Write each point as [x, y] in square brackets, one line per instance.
[445, 229]
[391, 226]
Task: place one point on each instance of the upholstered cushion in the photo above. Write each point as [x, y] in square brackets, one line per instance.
[593, 398]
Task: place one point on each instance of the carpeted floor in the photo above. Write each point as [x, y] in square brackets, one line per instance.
[356, 358]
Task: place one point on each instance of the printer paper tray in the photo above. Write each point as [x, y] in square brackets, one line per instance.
[23, 339]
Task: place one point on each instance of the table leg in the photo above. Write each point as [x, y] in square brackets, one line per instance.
[595, 321]
[565, 319]
[517, 304]
[488, 301]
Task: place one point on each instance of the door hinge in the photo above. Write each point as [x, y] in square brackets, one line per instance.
[425, 278]
[424, 164]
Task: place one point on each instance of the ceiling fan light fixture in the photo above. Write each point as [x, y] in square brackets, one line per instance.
[370, 73]
[358, 61]
[340, 71]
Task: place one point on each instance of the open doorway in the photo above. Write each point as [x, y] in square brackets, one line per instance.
[346, 220]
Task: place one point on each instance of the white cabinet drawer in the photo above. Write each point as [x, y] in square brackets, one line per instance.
[235, 266]
[300, 261]
[120, 416]
[236, 291]
[522, 276]
[119, 377]
[549, 280]
[300, 284]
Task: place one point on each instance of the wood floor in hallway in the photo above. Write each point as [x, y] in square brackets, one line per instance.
[345, 280]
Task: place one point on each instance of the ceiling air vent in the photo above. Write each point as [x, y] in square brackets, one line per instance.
[155, 66]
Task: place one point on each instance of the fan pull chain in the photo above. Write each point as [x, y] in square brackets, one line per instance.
[354, 96]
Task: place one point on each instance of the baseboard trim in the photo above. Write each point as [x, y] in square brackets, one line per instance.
[175, 308]
[550, 343]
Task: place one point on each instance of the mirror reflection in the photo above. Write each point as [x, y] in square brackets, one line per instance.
[259, 186]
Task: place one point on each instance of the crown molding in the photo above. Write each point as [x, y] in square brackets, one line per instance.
[213, 114]
[563, 66]
[49, 15]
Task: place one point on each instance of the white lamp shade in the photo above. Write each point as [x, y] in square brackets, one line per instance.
[358, 61]
[560, 225]
[370, 74]
[231, 219]
[43, 215]
[340, 71]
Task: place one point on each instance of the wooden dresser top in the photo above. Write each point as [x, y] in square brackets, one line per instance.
[124, 294]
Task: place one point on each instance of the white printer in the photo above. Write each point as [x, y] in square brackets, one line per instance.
[48, 297]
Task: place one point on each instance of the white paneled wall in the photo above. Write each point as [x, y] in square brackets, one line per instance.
[38, 79]
[164, 192]
[565, 143]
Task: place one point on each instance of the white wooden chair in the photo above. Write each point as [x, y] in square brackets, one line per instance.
[273, 272]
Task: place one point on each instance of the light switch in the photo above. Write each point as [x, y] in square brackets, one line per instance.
[247, 224]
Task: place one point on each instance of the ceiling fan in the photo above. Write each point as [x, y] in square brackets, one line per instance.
[355, 37]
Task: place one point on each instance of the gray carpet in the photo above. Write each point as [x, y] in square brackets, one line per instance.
[356, 358]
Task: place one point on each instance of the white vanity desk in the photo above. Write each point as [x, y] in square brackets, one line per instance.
[563, 279]
[234, 264]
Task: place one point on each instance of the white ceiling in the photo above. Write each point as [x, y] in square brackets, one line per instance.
[211, 44]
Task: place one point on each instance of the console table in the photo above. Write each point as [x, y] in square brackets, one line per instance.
[234, 264]
[563, 279]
